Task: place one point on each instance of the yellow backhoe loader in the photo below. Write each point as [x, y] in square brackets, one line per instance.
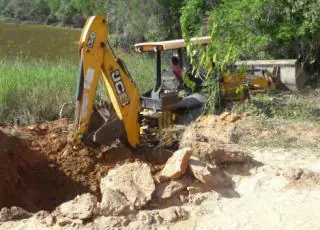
[132, 110]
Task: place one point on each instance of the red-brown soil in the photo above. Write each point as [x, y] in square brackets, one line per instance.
[41, 168]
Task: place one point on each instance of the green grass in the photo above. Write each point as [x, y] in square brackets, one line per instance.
[278, 132]
[33, 91]
[141, 68]
[282, 120]
[303, 106]
[4, 19]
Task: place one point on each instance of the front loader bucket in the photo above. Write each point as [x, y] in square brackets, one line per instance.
[290, 72]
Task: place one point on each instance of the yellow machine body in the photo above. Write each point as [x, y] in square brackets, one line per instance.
[97, 59]
[235, 85]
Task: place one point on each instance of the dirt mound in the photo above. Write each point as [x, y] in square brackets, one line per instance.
[211, 138]
[41, 167]
[213, 128]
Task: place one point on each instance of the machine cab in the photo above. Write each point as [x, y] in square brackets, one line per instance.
[166, 88]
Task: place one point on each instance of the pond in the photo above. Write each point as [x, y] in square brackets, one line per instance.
[19, 40]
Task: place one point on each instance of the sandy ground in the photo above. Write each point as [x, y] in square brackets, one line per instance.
[270, 198]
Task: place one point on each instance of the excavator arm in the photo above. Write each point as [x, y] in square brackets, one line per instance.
[98, 60]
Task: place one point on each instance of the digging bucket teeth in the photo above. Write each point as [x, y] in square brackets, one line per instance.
[290, 72]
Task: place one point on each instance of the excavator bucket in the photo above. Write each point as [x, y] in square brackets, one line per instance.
[290, 72]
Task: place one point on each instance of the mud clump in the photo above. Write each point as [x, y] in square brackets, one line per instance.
[40, 167]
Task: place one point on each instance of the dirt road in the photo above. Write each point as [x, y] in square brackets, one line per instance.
[275, 196]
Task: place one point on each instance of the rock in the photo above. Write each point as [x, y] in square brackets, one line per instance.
[133, 181]
[45, 218]
[64, 221]
[173, 214]
[113, 203]
[145, 217]
[176, 165]
[182, 213]
[293, 173]
[200, 171]
[82, 207]
[198, 198]
[168, 215]
[170, 188]
[13, 213]
[211, 176]
[109, 222]
[68, 223]
[229, 156]
[158, 220]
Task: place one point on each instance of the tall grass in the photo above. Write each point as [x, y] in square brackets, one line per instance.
[33, 90]
[141, 68]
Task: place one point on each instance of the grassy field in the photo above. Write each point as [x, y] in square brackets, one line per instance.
[34, 90]
[282, 120]
[302, 106]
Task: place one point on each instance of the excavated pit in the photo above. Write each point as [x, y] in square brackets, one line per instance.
[41, 167]
[30, 180]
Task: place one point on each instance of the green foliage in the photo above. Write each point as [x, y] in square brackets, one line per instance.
[212, 91]
[40, 10]
[18, 9]
[71, 12]
[291, 106]
[66, 12]
[192, 17]
[253, 29]
[136, 20]
[2, 5]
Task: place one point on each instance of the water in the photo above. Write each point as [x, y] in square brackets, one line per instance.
[38, 42]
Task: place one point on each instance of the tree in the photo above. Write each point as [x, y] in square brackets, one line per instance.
[39, 10]
[253, 29]
[18, 9]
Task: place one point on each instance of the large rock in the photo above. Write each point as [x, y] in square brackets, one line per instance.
[213, 139]
[217, 153]
[133, 183]
[168, 189]
[113, 203]
[82, 207]
[176, 165]
[223, 155]
[201, 171]
[208, 174]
